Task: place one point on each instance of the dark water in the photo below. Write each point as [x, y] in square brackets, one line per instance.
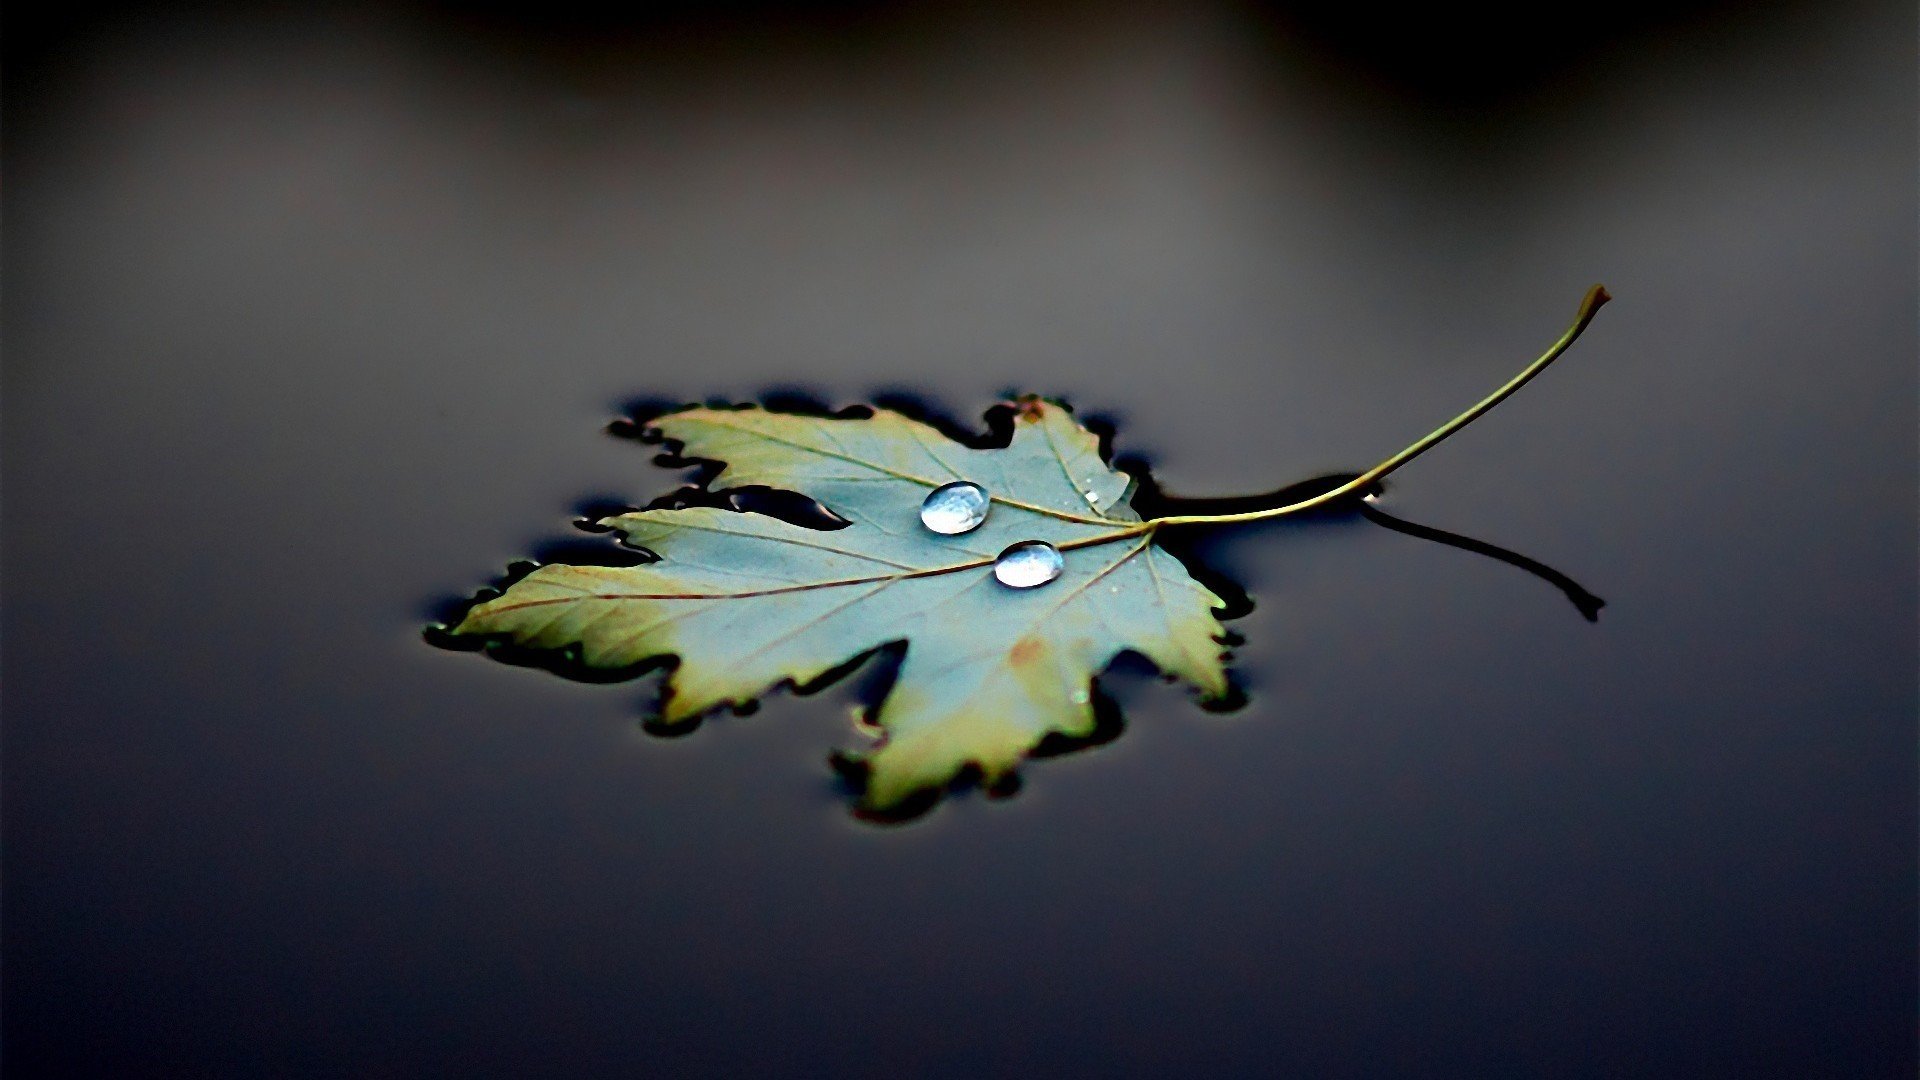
[312, 324]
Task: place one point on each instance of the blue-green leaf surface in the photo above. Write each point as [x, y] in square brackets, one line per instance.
[746, 601]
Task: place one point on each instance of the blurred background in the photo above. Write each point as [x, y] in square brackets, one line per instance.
[314, 317]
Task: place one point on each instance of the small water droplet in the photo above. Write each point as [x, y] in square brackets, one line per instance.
[1081, 697]
[1092, 499]
[951, 509]
[1028, 563]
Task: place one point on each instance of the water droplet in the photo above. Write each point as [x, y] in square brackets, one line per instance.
[1093, 499]
[1081, 697]
[1028, 563]
[951, 509]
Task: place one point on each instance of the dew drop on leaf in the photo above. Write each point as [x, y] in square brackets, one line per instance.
[1028, 563]
[951, 509]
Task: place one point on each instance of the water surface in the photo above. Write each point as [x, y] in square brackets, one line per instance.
[313, 325]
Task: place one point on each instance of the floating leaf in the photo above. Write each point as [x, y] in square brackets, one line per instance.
[747, 601]
[994, 662]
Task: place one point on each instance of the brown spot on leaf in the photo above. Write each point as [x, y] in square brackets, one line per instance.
[1026, 652]
[1030, 409]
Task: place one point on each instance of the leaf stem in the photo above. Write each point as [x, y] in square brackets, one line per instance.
[1595, 297]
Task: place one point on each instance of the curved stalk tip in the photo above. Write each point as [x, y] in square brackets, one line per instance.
[1589, 305]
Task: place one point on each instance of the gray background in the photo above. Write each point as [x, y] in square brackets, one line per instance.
[312, 323]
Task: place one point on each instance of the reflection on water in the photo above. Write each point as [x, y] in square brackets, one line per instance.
[1585, 602]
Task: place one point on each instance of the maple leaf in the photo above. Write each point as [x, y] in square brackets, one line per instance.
[747, 602]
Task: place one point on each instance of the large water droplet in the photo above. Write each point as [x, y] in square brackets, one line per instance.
[951, 509]
[1028, 563]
